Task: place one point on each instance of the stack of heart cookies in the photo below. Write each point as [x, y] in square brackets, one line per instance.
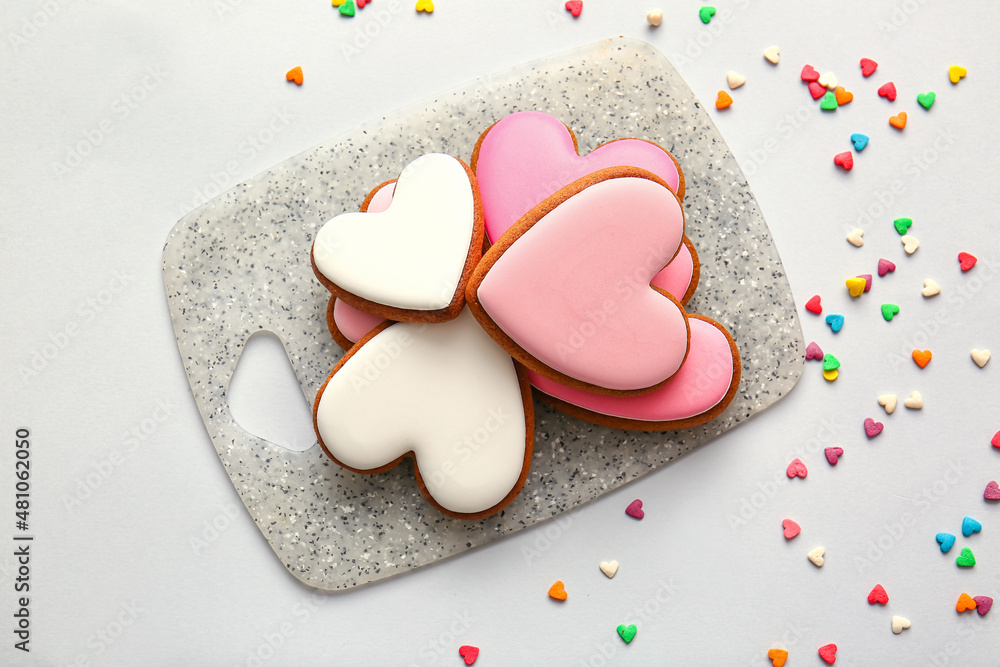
[456, 289]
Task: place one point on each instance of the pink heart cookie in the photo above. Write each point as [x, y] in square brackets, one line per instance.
[566, 291]
[527, 156]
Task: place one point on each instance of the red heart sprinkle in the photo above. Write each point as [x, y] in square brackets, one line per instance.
[574, 7]
[817, 91]
[966, 261]
[844, 160]
[791, 528]
[813, 305]
[361, 3]
[872, 427]
[996, 440]
[878, 594]
[884, 267]
[796, 469]
[635, 509]
[868, 67]
[833, 454]
[470, 653]
[828, 653]
[992, 491]
[809, 74]
[888, 91]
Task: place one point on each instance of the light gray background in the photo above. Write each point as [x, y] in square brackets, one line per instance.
[205, 106]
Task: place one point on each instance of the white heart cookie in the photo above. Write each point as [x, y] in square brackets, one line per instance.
[915, 401]
[931, 288]
[445, 392]
[910, 244]
[899, 624]
[413, 255]
[855, 238]
[735, 80]
[609, 569]
[816, 556]
[888, 401]
[980, 357]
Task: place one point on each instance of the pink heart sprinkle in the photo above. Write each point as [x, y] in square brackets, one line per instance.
[868, 281]
[809, 74]
[833, 454]
[992, 491]
[884, 267]
[796, 469]
[635, 509]
[872, 427]
[983, 604]
[791, 528]
[813, 351]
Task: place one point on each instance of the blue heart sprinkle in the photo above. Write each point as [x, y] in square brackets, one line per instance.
[970, 526]
[836, 322]
[860, 141]
[946, 540]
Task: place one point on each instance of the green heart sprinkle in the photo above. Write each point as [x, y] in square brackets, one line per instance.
[628, 632]
[830, 362]
[902, 224]
[347, 9]
[706, 14]
[965, 560]
[888, 310]
[926, 99]
[829, 102]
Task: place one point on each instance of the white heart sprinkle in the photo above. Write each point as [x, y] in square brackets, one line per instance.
[910, 244]
[816, 556]
[899, 624]
[828, 80]
[888, 401]
[854, 238]
[980, 357]
[771, 53]
[654, 17]
[735, 80]
[915, 401]
[609, 569]
[931, 288]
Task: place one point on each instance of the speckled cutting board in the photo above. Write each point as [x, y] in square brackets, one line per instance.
[240, 264]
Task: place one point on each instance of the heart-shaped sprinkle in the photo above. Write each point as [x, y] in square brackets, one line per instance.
[983, 604]
[361, 3]
[772, 54]
[654, 17]
[347, 8]
[833, 454]
[830, 376]
[791, 528]
[878, 595]
[830, 362]
[609, 569]
[557, 591]
[898, 121]
[902, 224]
[888, 91]
[294, 74]
[867, 277]
[965, 603]
[574, 7]
[946, 540]
[992, 491]
[910, 244]
[836, 322]
[888, 310]
[980, 357]
[723, 101]
[967, 559]
[735, 80]
[931, 288]
[469, 653]
[922, 357]
[868, 67]
[796, 469]
[884, 267]
[427, 6]
[828, 80]
[966, 261]
[860, 141]
[813, 351]
[809, 74]
[899, 624]
[970, 526]
[816, 556]
[634, 509]
[813, 305]
[872, 427]
[817, 91]
[856, 237]
[888, 401]
[844, 160]
[926, 100]
[828, 653]
[855, 286]
[915, 401]
[706, 14]
[777, 656]
[627, 632]
[995, 441]
[956, 73]
[843, 95]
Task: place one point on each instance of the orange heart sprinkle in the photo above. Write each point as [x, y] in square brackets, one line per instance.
[843, 95]
[724, 100]
[898, 121]
[558, 591]
[965, 602]
[777, 656]
[922, 357]
[294, 74]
